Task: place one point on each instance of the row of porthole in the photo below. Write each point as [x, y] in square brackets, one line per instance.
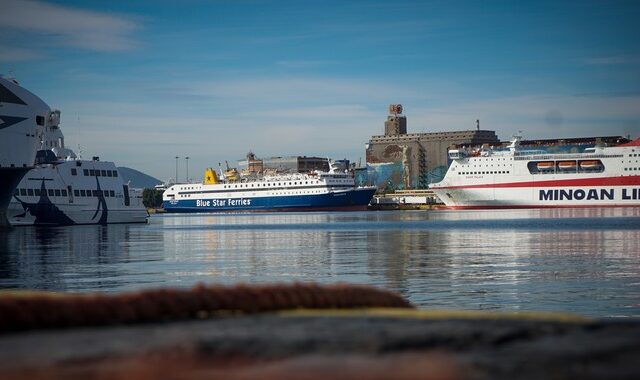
[276, 193]
[96, 172]
[489, 172]
[469, 165]
[63, 192]
[269, 184]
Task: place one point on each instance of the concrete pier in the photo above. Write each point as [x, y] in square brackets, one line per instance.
[356, 344]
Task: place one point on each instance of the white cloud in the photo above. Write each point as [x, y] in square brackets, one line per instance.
[614, 60]
[17, 54]
[538, 116]
[69, 26]
[292, 89]
[304, 64]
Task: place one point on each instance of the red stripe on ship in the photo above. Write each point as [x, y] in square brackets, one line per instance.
[503, 207]
[579, 182]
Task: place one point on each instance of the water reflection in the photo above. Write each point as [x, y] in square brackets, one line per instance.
[70, 258]
[584, 261]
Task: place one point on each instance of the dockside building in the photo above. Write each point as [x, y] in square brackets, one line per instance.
[289, 164]
[399, 160]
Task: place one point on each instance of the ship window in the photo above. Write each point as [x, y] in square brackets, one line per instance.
[39, 120]
[50, 192]
[109, 173]
[104, 173]
[85, 172]
[97, 172]
[74, 171]
[64, 192]
[112, 193]
[82, 193]
[94, 193]
[106, 193]
[76, 193]
[37, 192]
[23, 191]
[92, 172]
[115, 173]
[57, 192]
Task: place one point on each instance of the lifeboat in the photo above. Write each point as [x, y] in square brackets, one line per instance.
[589, 164]
[566, 165]
[545, 165]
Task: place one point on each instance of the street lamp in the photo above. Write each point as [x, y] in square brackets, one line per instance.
[177, 169]
[187, 159]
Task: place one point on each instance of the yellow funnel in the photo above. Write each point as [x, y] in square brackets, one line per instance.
[210, 177]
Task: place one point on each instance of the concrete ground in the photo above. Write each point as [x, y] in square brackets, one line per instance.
[335, 344]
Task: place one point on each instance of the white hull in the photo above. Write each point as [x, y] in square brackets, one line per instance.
[542, 197]
[608, 177]
[23, 117]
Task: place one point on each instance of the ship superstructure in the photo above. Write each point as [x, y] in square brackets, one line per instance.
[332, 190]
[517, 178]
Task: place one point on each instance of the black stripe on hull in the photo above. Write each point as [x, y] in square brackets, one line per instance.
[9, 180]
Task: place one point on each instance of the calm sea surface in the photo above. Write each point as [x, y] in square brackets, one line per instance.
[581, 261]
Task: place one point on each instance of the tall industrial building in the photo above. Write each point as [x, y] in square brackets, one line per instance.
[401, 160]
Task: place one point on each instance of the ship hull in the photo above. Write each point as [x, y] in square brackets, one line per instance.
[22, 117]
[9, 179]
[355, 199]
[541, 197]
[68, 215]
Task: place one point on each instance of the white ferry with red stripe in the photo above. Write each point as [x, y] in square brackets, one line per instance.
[517, 178]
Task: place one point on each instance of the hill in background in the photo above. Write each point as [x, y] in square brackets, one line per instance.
[138, 179]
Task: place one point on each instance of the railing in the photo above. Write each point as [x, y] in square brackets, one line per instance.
[565, 156]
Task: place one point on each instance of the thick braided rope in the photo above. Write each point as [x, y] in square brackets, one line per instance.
[32, 310]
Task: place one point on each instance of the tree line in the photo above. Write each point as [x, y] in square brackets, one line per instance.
[152, 198]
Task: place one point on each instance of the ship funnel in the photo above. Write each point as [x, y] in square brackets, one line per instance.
[210, 177]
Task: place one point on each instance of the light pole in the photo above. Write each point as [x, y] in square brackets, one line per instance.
[177, 169]
[187, 159]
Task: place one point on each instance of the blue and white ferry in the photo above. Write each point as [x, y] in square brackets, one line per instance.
[316, 191]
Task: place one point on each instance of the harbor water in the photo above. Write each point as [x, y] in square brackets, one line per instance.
[584, 261]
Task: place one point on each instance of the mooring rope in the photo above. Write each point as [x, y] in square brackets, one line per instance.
[24, 310]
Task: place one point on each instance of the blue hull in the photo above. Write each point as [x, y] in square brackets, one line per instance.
[357, 199]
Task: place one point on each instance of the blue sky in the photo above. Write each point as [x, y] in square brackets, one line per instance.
[140, 82]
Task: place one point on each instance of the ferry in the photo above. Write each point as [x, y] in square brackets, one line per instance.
[518, 178]
[315, 191]
[23, 116]
[63, 189]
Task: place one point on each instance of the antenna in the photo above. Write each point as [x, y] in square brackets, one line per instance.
[11, 76]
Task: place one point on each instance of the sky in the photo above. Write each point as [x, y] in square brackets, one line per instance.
[141, 82]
